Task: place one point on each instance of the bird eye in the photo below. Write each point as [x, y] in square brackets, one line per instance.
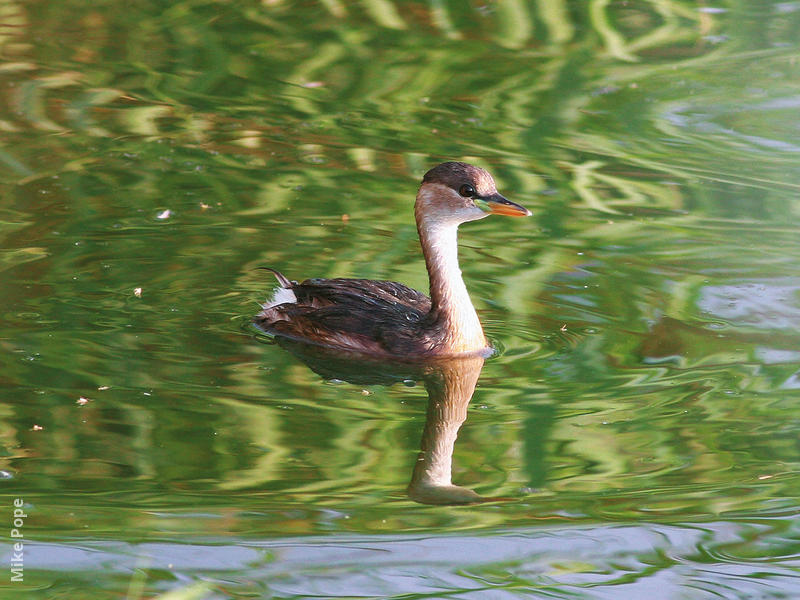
[467, 191]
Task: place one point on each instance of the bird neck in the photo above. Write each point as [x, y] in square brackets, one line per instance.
[451, 307]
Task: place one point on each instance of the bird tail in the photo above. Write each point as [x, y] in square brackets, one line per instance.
[282, 295]
[282, 280]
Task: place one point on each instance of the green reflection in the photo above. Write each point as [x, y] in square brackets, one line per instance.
[648, 319]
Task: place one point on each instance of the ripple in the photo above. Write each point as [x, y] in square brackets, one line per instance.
[660, 561]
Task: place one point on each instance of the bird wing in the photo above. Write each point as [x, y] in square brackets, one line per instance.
[365, 315]
[376, 293]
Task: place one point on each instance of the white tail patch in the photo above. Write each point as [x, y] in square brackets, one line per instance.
[281, 296]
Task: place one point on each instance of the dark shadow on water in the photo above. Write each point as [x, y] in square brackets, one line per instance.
[450, 383]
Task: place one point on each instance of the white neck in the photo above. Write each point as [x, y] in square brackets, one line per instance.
[450, 302]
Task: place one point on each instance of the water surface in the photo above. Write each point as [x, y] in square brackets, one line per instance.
[636, 435]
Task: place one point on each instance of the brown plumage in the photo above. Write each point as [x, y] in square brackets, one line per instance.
[384, 318]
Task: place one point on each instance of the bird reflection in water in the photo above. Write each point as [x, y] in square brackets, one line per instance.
[450, 383]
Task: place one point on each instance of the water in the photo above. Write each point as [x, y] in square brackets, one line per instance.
[635, 435]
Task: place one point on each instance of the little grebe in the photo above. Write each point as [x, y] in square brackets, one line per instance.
[384, 318]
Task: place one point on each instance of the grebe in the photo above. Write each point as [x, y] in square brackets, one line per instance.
[388, 319]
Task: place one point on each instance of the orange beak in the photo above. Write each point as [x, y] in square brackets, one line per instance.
[497, 205]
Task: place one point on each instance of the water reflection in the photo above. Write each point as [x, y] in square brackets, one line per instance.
[652, 369]
[450, 384]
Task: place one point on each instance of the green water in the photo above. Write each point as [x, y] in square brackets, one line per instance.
[637, 432]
